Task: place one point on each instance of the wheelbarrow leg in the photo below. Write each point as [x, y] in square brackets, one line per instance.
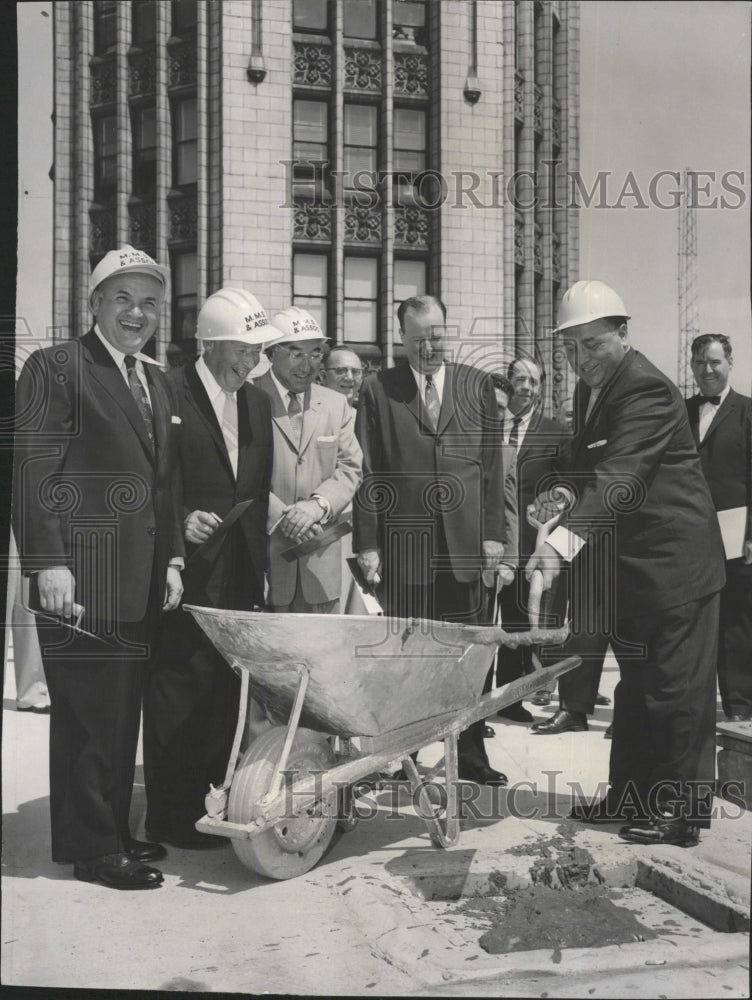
[430, 800]
[277, 777]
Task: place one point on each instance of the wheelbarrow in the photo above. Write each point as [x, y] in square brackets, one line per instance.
[397, 684]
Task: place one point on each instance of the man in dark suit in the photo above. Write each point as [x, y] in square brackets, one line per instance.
[539, 444]
[225, 458]
[97, 527]
[430, 512]
[643, 531]
[721, 422]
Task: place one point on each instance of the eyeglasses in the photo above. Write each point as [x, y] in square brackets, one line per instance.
[342, 372]
[296, 356]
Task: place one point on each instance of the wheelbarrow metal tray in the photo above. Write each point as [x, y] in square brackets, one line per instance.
[368, 675]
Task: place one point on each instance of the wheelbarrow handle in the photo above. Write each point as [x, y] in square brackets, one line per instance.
[492, 635]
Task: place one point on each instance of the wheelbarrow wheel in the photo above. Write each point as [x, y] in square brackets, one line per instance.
[295, 844]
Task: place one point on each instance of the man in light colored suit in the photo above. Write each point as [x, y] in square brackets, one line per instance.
[316, 470]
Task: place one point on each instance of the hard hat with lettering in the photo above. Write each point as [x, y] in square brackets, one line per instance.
[587, 301]
[295, 324]
[127, 259]
[234, 314]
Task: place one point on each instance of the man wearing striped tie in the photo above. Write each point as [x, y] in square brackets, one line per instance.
[225, 457]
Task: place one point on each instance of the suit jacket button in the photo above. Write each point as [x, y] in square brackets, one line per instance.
[300, 461]
[151, 529]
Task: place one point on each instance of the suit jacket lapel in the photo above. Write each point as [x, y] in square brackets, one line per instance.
[279, 409]
[693, 411]
[411, 398]
[723, 411]
[582, 398]
[310, 418]
[447, 398]
[160, 408]
[199, 400]
[105, 371]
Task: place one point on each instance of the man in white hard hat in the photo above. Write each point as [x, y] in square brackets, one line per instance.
[643, 505]
[97, 527]
[317, 467]
[225, 458]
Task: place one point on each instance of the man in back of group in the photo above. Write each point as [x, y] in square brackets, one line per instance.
[343, 372]
[721, 422]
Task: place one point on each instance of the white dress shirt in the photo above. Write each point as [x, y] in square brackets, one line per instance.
[119, 358]
[522, 427]
[708, 412]
[437, 378]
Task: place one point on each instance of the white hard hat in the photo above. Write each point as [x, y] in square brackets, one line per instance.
[587, 301]
[127, 258]
[234, 314]
[295, 324]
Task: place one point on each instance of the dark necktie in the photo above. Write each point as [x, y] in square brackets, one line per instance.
[139, 394]
[433, 403]
[514, 434]
[715, 400]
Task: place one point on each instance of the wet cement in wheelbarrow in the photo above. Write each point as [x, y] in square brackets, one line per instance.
[566, 906]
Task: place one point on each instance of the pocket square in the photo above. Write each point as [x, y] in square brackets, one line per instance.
[598, 444]
[326, 438]
[175, 420]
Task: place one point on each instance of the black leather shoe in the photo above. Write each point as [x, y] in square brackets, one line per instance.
[607, 810]
[739, 717]
[143, 850]
[561, 722]
[36, 709]
[672, 830]
[488, 732]
[188, 839]
[118, 871]
[482, 774]
[516, 713]
[601, 699]
[541, 698]
[609, 734]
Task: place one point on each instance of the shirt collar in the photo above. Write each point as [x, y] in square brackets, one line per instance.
[119, 356]
[213, 388]
[284, 392]
[437, 379]
[524, 420]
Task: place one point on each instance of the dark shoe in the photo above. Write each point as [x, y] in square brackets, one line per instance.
[541, 698]
[488, 732]
[609, 734]
[662, 830]
[739, 717]
[482, 774]
[608, 810]
[516, 713]
[142, 850]
[561, 722]
[601, 699]
[36, 709]
[117, 871]
[188, 839]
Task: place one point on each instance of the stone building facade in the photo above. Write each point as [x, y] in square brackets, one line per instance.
[338, 155]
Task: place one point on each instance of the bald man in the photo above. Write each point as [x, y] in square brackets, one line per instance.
[343, 372]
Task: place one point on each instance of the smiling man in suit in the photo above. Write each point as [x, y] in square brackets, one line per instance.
[643, 509]
[429, 516]
[225, 458]
[721, 422]
[97, 528]
[317, 467]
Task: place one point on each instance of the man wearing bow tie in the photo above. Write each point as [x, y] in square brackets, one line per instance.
[721, 419]
[643, 535]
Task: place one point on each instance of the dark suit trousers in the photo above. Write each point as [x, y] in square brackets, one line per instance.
[445, 600]
[664, 705]
[190, 714]
[735, 640]
[95, 710]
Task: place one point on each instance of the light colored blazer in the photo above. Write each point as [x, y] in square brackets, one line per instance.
[326, 460]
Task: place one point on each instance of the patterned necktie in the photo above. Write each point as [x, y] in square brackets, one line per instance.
[433, 403]
[295, 413]
[514, 434]
[230, 428]
[139, 394]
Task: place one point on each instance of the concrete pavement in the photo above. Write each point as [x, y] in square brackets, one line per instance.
[383, 913]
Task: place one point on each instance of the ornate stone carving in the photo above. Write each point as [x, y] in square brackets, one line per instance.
[183, 218]
[362, 70]
[101, 230]
[519, 241]
[519, 96]
[411, 227]
[143, 218]
[103, 81]
[555, 258]
[362, 225]
[183, 62]
[411, 74]
[312, 222]
[538, 109]
[142, 71]
[556, 125]
[538, 249]
[312, 65]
